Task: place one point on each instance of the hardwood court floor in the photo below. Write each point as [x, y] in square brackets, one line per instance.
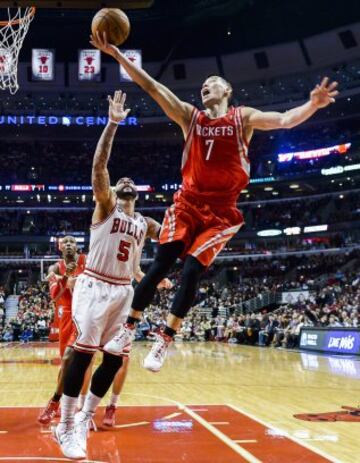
[212, 403]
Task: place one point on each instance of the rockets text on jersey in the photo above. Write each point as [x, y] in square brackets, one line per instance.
[215, 163]
[116, 245]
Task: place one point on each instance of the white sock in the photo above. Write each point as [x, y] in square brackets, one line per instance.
[68, 407]
[81, 400]
[114, 399]
[91, 403]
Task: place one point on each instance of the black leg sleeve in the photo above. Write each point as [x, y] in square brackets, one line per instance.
[105, 374]
[185, 295]
[75, 373]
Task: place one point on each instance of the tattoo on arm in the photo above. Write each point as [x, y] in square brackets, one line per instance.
[100, 173]
[153, 230]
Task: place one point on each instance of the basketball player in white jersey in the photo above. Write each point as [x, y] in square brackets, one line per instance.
[103, 293]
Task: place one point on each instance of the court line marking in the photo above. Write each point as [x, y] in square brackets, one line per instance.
[225, 439]
[218, 423]
[221, 436]
[286, 434]
[132, 425]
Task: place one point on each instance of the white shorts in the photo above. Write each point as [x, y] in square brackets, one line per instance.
[98, 310]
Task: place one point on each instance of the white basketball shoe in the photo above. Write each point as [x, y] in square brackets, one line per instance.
[121, 343]
[83, 423]
[68, 442]
[156, 357]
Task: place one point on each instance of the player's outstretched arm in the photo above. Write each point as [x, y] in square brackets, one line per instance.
[100, 178]
[177, 110]
[322, 95]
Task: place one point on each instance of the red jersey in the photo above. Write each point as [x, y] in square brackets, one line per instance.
[58, 290]
[215, 164]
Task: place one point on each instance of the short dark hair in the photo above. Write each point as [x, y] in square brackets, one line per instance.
[225, 82]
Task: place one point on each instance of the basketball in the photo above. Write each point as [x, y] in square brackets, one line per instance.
[114, 22]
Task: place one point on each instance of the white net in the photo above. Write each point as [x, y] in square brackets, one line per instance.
[12, 34]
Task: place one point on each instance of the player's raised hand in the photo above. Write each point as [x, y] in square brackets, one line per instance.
[117, 111]
[165, 284]
[324, 94]
[100, 41]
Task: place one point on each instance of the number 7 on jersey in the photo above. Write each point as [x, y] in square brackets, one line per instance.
[210, 144]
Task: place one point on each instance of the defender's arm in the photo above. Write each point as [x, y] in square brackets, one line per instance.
[105, 199]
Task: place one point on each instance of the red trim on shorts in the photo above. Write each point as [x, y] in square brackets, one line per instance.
[107, 278]
[86, 345]
[107, 281]
[87, 350]
[105, 220]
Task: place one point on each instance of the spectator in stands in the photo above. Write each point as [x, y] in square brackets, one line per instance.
[267, 333]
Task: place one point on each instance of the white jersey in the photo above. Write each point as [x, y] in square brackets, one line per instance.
[116, 245]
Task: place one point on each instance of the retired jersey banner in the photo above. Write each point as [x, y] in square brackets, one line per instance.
[43, 64]
[6, 62]
[135, 57]
[90, 65]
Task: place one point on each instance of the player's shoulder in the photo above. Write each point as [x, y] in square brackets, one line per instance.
[246, 111]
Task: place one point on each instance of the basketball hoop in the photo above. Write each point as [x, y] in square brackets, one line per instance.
[12, 34]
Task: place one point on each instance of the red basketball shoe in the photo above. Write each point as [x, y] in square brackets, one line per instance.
[49, 412]
[109, 417]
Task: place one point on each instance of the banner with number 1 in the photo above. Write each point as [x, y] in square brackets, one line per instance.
[43, 64]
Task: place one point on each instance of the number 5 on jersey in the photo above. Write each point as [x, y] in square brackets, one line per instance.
[210, 145]
[123, 254]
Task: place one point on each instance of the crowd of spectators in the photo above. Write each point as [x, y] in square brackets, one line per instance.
[336, 304]
[258, 216]
[259, 93]
[221, 311]
[157, 161]
[33, 318]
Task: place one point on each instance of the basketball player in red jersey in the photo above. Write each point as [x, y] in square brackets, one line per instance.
[215, 169]
[62, 277]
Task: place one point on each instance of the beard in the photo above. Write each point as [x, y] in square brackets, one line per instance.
[126, 193]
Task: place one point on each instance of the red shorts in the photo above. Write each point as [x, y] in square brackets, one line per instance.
[204, 229]
[67, 330]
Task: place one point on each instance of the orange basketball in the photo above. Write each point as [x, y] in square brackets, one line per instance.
[114, 22]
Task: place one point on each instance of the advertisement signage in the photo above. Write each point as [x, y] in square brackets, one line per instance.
[332, 340]
[67, 121]
[314, 154]
[30, 188]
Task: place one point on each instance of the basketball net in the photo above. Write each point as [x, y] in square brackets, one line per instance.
[12, 34]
